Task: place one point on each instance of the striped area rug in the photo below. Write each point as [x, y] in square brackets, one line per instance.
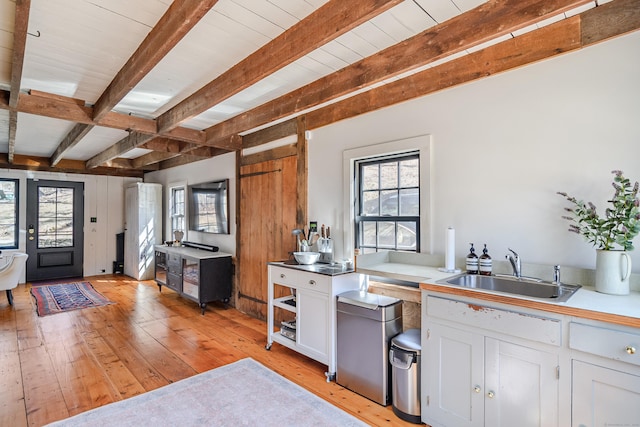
[52, 299]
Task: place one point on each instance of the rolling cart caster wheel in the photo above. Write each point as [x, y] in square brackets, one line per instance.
[267, 347]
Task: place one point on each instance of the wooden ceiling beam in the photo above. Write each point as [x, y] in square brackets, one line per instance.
[194, 154]
[164, 145]
[151, 159]
[180, 160]
[323, 25]
[68, 166]
[21, 22]
[604, 22]
[74, 110]
[134, 140]
[177, 21]
[122, 163]
[489, 20]
[609, 20]
[74, 136]
[200, 153]
[19, 43]
[272, 133]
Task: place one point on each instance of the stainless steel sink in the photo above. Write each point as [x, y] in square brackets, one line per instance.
[511, 285]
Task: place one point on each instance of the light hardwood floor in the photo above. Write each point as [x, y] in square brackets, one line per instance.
[56, 366]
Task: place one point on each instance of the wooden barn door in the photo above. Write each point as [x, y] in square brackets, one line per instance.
[267, 216]
[272, 196]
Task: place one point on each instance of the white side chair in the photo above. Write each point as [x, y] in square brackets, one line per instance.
[10, 274]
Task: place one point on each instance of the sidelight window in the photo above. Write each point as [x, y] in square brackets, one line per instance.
[9, 213]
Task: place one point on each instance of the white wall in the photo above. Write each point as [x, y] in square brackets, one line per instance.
[103, 199]
[502, 147]
[216, 168]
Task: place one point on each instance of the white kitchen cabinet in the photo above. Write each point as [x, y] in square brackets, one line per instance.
[476, 377]
[453, 379]
[606, 375]
[521, 385]
[313, 323]
[142, 229]
[313, 301]
[604, 397]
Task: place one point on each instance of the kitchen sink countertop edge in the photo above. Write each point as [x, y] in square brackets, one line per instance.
[585, 303]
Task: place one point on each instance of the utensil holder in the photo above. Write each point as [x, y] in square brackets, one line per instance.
[325, 247]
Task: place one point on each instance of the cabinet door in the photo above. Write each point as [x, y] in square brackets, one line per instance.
[604, 397]
[452, 370]
[161, 268]
[521, 385]
[313, 324]
[191, 278]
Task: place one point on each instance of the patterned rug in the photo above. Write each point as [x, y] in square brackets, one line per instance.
[52, 299]
[64, 281]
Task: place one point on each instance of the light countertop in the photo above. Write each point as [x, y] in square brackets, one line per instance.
[586, 302]
[408, 272]
[191, 252]
[325, 269]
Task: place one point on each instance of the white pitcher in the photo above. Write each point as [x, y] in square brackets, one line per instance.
[613, 269]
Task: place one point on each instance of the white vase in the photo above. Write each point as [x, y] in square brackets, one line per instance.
[613, 269]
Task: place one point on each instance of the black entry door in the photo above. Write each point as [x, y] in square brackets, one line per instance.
[55, 222]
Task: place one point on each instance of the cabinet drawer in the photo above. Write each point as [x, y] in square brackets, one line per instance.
[315, 282]
[174, 263]
[174, 281]
[284, 276]
[605, 342]
[524, 325]
[300, 279]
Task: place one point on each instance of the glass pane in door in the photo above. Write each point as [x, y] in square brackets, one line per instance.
[55, 217]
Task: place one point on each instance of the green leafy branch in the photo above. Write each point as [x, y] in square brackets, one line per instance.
[621, 222]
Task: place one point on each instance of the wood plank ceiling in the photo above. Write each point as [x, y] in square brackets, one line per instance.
[124, 87]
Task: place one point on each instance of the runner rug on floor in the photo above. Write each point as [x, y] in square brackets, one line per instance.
[52, 299]
[244, 393]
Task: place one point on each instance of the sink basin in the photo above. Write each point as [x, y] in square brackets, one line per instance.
[514, 286]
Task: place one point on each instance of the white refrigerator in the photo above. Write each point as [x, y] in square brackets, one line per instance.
[142, 229]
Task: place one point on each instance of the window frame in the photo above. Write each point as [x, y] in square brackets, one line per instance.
[421, 143]
[172, 189]
[16, 206]
[361, 218]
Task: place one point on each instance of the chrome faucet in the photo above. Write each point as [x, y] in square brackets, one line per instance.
[515, 263]
[556, 274]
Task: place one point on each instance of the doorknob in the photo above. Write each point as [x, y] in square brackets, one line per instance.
[491, 394]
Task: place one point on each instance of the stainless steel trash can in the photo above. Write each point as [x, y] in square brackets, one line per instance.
[365, 325]
[404, 357]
